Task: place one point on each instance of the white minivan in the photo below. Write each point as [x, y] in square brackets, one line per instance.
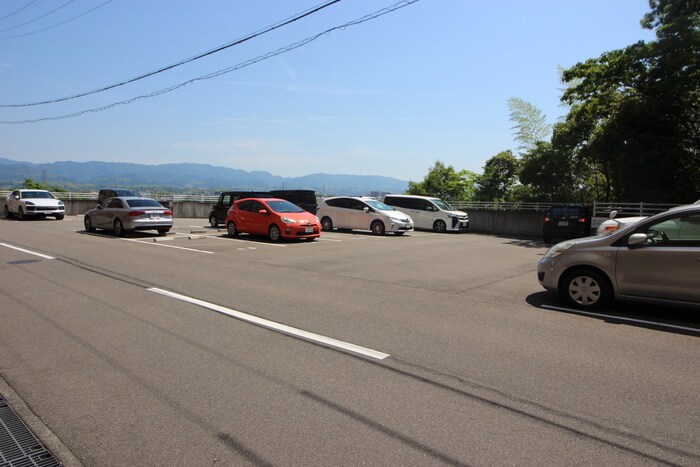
[361, 213]
[430, 213]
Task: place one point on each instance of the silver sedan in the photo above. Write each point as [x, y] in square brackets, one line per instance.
[126, 214]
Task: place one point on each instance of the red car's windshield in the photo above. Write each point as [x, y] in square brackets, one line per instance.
[284, 206]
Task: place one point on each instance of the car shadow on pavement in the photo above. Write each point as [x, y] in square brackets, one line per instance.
[528, 243]
[130, 235]
[666, 318]
[263, 239]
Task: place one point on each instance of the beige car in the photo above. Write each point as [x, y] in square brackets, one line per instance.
[656, 259]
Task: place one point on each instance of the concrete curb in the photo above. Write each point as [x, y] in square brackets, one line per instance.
[36, 426]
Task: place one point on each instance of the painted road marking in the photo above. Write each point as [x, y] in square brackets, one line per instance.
[167, 246]
[27, 251]
[247, 241]
[283, 328]
[621, 318]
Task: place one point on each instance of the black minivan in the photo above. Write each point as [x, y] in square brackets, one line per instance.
[305, 199]
[226, 198]
[564, 222]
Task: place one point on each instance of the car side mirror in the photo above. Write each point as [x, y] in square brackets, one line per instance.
[365, 209]
[16, 197]
[637, 239]
[263, 212]
[612, 214]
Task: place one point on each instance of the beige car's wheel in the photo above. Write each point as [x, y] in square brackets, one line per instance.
[585, 288]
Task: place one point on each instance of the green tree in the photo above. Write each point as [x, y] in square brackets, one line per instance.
[634, 123]
[446, 183]
[550, 174]
[530, 123]
[32, 185]
[499, 178]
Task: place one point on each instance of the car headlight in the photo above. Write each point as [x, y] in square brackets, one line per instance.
[287, 220]
[28, 203]
[558, 249]
[60, 203]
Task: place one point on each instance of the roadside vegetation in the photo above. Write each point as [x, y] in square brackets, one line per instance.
[632, 132]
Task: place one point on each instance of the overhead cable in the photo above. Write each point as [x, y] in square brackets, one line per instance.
[266, 30]
[38, 17]
[215, 74]
[18, 10]
[57, 24]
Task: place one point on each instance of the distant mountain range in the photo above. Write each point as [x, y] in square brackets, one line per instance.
[185, 178]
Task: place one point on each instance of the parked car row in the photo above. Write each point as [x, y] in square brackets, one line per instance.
[278, 218]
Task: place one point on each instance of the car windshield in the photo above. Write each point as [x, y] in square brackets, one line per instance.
[445, 206]
[36, 194]
[284, 206]
[379, 206]
[143, 203]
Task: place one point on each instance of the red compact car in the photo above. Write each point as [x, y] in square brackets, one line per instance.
[276, 218]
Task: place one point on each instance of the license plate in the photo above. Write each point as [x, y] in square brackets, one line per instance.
[309, 230]
[154, 216]
[563, 223]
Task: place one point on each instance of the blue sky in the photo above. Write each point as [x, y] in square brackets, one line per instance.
[391, 96]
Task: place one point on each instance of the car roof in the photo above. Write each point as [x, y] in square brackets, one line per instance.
[258, 198]
[412, 196]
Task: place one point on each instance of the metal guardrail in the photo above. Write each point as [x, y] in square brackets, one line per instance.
[599, 209]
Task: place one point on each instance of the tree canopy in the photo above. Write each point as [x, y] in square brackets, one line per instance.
[445, 182]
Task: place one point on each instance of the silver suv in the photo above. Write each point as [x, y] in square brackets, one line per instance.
[656, 259]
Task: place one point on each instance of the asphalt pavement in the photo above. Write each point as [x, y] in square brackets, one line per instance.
[424, 349]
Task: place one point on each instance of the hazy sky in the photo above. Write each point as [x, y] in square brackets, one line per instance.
[390, 96]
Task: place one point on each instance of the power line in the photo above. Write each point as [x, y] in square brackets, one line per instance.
[188, 60]
[18, 10]
[58, 24]
[369, 17]
[39, 17]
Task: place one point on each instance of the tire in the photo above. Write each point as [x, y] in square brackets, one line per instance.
[119, 228]
[88, 224]
[162, 232]
[326, 224]
[439, 226]
[274, 233]
[20, 214]
[378, 228]
[231, 229]
[8, 214]
[213, 222]
[59, 217]
[585, 289]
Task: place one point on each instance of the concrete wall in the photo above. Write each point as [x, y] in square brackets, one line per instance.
[526, 224]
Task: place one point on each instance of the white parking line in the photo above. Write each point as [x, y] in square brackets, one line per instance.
[291, 331]
[248, 241]
[167, 246]
[27, 251]
[621, 318]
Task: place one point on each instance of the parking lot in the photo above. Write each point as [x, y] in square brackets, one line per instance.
[425, 349]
